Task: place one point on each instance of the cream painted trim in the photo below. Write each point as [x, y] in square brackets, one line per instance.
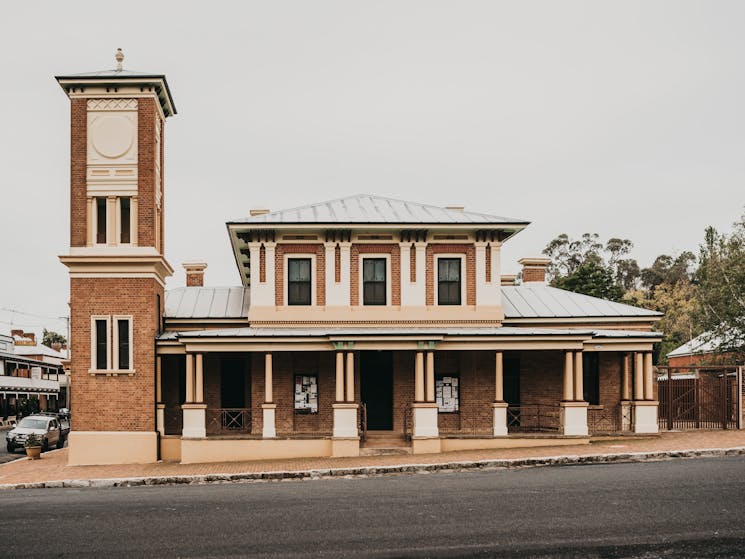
[156, 277]
[368, 315]
[463, 278]
[94, 355]
[313, 278]
[162, 349]
[97, 89]
[388, 279]
[87, 448]
[111, 265]
[620, 345]
[115, 334]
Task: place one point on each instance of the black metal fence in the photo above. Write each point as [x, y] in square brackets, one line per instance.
[532, 418]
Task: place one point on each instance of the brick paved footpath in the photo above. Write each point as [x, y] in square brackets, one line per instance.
[53, 465]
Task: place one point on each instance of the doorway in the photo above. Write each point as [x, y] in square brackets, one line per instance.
[376, 388]
[232, 384]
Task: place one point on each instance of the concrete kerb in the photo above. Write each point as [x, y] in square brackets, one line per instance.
[367, 471]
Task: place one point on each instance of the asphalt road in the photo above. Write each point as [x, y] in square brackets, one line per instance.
[677, 508]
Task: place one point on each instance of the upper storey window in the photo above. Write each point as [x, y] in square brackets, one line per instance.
[299, 281]
[373, 281]
[125, 221]
[449, 281]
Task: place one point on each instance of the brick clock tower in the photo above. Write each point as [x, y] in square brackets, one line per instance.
[116, 260]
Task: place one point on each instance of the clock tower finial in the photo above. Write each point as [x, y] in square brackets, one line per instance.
[119, 59]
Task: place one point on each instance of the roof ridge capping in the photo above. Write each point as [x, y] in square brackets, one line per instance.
[383, 210]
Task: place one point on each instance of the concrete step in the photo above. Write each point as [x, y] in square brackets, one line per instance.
[385, 451]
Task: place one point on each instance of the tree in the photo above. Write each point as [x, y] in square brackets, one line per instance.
[587, 266]
[667, 269]
[50, 337]
[591, 278]
[721, 293]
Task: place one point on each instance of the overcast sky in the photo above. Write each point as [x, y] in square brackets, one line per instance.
[622, 118]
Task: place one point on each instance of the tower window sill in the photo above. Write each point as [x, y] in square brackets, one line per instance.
[111, 372]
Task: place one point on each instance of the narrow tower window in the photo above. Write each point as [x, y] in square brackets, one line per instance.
[102, 358]
[122, 326]
[125, 213]
[101, 221]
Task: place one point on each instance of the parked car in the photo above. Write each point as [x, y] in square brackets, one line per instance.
[46, 426]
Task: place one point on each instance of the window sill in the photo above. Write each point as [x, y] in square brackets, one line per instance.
[111, 372]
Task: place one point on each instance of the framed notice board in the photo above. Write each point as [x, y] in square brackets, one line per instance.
[306, 393]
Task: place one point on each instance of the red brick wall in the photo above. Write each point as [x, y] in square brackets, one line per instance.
[195, 279]
[534, 274]
[285, 366]
[162, 186]
[78, 165]
[470, 271]
[394, 251]
[101, 403]
[146, 179]
[279, 270]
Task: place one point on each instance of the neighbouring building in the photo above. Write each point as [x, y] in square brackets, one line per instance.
[356, 320]
[28, 383]
[701, 350]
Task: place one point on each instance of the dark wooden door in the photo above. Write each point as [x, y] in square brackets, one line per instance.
[376, 388]
[232, 384]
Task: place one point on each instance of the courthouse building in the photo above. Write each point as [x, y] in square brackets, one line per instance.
[360, 325]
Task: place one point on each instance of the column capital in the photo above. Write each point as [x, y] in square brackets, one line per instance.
[420, 245]
[330, 245]
[480, 244]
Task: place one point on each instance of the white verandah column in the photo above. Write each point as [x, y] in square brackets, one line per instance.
[194, 416]
[269, 408]
[346, 439]
[499, 406]
[573, 408]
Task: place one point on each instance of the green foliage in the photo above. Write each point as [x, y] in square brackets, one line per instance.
[721, 294]
[32, 440]
[588, 266]
[50, 337]
[591, 278]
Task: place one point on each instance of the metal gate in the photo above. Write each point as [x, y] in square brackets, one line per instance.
[699, 397]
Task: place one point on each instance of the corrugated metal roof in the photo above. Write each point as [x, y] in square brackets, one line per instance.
[506, 331]
[364, 208]
[705, 343]
[207, 302]
[543, 301]
[520, 301]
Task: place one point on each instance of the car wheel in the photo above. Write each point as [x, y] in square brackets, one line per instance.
[45, 445]
[11, 448]
[60, 442]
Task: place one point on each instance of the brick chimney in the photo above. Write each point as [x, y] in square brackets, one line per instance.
[534, 270]
[194, 273]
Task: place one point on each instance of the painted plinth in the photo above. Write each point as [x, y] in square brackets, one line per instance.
[194, 421]
[90, 448]
[574, 419]
[500, 418]
[195, 451]
[269, 430]
[426, 435]
[160, 418]
[345, 421]
[645, 416]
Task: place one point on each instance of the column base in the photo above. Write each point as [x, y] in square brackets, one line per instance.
[425, 420]
[269, 429]
[345, 421]
[160, 418]
[574, 419]
[645, 416]
[500, 418]
[194, 421]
